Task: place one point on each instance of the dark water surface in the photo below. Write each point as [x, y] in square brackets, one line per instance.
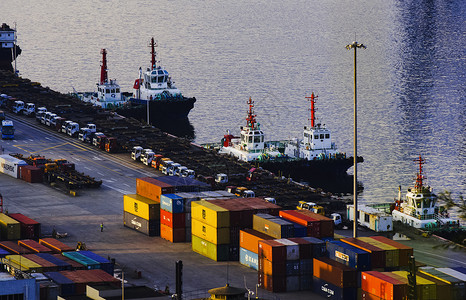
[411, 77]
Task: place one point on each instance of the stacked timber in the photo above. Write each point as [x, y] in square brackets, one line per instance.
[141, 213]
[30, 229]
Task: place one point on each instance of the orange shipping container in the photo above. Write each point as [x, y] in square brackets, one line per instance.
[152, 188]
[55, 245]
[326, 224]
[249, 239]
[405, 251]
[312, 225]
[272, 250]
[267, 267]
[334, 272]
[34, 246]
[383, 286]
[177, 220]
[173, 235]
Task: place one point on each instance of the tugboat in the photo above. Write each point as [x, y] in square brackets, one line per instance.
[313, 159]
[155, 95]
[108, 93]
[420, 208]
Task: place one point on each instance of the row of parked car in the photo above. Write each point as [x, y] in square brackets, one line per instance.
[163, 164]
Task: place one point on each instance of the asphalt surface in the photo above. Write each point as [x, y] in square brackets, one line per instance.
[151, 257]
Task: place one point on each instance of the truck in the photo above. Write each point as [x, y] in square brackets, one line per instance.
[303, 205]
[72, 129]
[39, 112]
[2, 115]
[8, 130]
[57, 123]
[180, 169]
[156, 161]
[171, 169]
[29, 109]
[64, 126]
[111, 145]
[99, 140]
[48, 119]
[136, 152]
[18, 106]
[147, 156]
[244, 192]
[87, 133]
[164, 166]
[44, 117]
[188, 173]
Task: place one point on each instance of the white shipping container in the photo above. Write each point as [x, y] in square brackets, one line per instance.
[9, 165]
[292, 249]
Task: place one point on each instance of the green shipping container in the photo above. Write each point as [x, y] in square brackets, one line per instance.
[10, 228]
[212, 251]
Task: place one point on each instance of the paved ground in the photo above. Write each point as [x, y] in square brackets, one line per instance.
[134, 252]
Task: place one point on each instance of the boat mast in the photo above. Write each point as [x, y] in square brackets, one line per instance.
[418, 185]
[251, 119]
[153, 53]
[103, 67]
[312, 109]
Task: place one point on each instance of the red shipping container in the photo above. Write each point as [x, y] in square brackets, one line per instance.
[240, 212]
[405, 252]
[174, 235]
[175, 221]
[260, 206]
[275, 284]
[47, 266]
[334, 272]
[312, 225]
[272, 250]
[277, 268]
[34, 246]
[31, 174]
[13, 247]
[249, 239]
[305, 248]
[377, 254]
[30, 229]
[326, 224]
[55, 245]
[152, 188]
[383, 286]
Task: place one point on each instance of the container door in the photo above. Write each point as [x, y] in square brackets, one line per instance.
[376, 225]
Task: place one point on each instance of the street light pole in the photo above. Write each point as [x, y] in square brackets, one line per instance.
[354, 46]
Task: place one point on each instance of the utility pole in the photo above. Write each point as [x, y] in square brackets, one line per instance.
[354, 46]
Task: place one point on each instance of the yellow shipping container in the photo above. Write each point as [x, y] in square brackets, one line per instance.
[212, 251]
[426, 289]
[141, 206]
[23, 262]
[10, 229]
[210, 214]
[211, 234]
[392, 254]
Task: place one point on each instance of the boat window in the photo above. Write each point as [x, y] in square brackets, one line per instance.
[322, 136]
[250, 139]
[113, 91]
[153, 79]
[262, 138]
[366, 218]
[316, 136]
[327, 135]
[117, 90]
[161, 79]
[107, 91]
[257, 139]
[160, 72]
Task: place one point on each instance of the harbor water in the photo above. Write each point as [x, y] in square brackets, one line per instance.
[411, 77]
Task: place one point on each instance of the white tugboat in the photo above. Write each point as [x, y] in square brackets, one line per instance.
[108, 93]
[420, 208]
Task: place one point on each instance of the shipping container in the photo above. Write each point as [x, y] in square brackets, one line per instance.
[142, 207]
[14, 248]
[272, 250]
[425, 289]
[188, 198]
[453, 273]
[61, 264]
[173, 220]
[330, 291]
[34, 246]
[443, 289]
[185, 184]
[82, 278]
[292, 249]
[334, 272]
[383, 286]
[275, 284]
[210, 250]
[31, 174]
[319, 247]
[273, 226]
[260, 206]
[312, 225]
[66, 285]
[152, 188]
[377, 254]
[172, 203]
[150, 228]
[211, 234]
[30, 229]
[4, 253]
[249, 258]
[174, 235]
[305, 247]
[22, 263]
[74, 264]
[240, 212]
[306, 266]
[55, 245]
[292, 283]
[210, 214]
[326, 224]
[82, 259]
[392, 254]
[105, 264]
[9, 165]
[405, 252]
[275, 268]
[46, 265]
[10, 229]
[249, 239]
[460, 269]
[349, 255]
[305, 282]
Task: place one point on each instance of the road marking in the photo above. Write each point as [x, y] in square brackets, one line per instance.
[441, 256]
[117, 189]
[100, 174]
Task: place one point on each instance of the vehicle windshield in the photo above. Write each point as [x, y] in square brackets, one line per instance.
[8, 130]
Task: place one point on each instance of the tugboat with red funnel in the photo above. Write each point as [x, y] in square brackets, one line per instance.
[313, 159]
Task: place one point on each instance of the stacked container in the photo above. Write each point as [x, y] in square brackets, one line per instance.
[334, 280]
[30, 229]
[326, 224]
[31, 174]
[61, 265]
[392, 254]
[89, 263]
[272, 265]
[249, 247]
[81, 278]
[172, 218]
[46, 265]
[377, 254]
[273, 226]
[13, 247]
[17, 262]
[349, 255]
[457, 285]
[152, 188]
[55, 245]
[105, 264]
[381, 285]
[141, 214]
[210, 230]
[312, 225]
[443, 288]
[34, 246]
[184, 184]
[425, 289]
[10, 229]
[405, 252]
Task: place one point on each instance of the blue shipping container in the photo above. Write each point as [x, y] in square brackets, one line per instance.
[4, 253]
[82, 259]
[62, 265]
[67, 286]
[330, 291]
[305, 282]
[172, 203]
[249, 258]
[292, 283]
[306, 267]
[292, 267]
[105, 264]
[349, 255]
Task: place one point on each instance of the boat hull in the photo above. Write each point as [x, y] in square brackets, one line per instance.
[167, 109]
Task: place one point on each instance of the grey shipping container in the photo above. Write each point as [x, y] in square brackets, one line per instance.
[272, 226]
[150, 228]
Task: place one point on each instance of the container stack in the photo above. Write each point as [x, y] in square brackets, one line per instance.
[152, 188]
[378, 284]
[89, 263]
[273, 226]
[349, 255]
[249, 247]
[14, 248]
[34, 246]
[31, 174]
[55, 245]
[30, 229]
[210, 230]
[10, 229]
[334, 280]
[317, 226]
[392, 254]
[455, 280]
[184, 184]
[425, 289]
[377, 254]
[141, 214]
[172, 218]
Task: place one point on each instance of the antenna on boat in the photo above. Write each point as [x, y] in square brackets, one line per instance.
[312, 109]
[153, 44]
[419, 177]
[103, 67]
[251, 116]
